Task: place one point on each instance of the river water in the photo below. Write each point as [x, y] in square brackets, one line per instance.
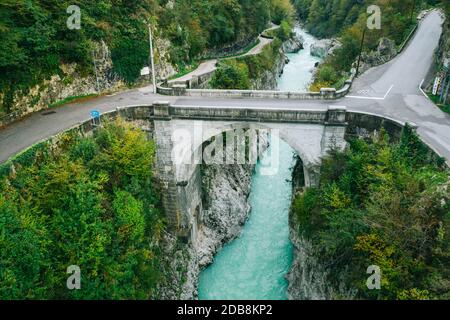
[254, 265]
[298, 72]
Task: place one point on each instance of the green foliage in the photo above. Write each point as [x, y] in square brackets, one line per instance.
[231, 75]
[327, 74]
[284, 32]
[90, 203]
[281, 10]
[385, 204]
[237, 73]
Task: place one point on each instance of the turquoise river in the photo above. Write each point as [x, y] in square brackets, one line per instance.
[254, 265]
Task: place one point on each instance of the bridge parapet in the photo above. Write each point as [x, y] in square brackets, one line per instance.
[329, 116]
[336, 115]
[184, 90]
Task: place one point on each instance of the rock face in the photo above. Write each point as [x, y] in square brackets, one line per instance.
[293, 45]
[324, 47]
[226, 192]
[181, 270]
[386, 47]
[385, 52]
[308, 277]
[268, 79]
[69, 83]
[163, 68]
[228, 189]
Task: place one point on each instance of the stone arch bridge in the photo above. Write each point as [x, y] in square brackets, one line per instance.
[311, 133]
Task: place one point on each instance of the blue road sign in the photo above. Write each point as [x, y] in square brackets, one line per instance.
[95, 114]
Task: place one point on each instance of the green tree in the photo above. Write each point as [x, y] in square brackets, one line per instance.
[231, 75]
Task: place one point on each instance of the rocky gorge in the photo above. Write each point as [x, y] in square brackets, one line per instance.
[226, 189]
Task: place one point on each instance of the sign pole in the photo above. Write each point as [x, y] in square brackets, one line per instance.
[360, 52]
[152, 58]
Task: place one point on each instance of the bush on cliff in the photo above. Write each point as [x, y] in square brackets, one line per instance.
[239, 73]
[231, 75]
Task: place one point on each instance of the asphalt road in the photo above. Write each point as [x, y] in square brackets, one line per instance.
[390, 90]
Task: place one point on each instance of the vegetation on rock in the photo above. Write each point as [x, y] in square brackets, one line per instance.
[384, 204]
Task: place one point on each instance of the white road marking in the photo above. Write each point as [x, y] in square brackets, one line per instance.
[389, 91]
[421, 90]
[368, 98]
[372, 98]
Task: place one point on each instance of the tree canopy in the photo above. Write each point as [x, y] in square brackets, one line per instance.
[90, 203]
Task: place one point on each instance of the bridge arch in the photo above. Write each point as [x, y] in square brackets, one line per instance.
[181, 133]
[307, 146]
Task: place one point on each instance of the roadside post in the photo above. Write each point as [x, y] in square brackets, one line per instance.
[95, 118]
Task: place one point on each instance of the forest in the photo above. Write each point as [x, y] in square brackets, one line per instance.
[90, 202]
[382, 203]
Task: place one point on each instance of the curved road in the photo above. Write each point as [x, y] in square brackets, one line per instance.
[211, 65]
[390, 90]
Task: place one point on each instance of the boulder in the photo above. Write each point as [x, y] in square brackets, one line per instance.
[324, 47]
[293, 45]
[386, 47]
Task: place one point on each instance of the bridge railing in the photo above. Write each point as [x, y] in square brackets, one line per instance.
[179, 89]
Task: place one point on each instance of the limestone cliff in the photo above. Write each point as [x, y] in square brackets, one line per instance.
[386, 51]
[70, 82]
[267, 80]
[323, 48]
[226, 188]
[294, 44]
[180, 270]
